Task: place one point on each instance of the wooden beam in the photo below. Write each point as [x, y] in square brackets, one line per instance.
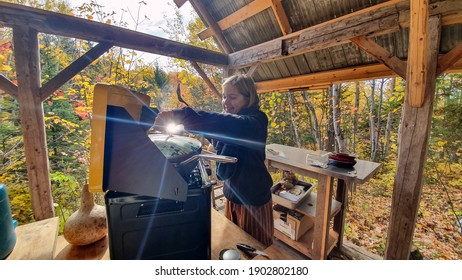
[252, 69]
[240, 15]
[179, 3]
[377, 20]
[281, 17]
[381, 54]
[206, 79]
[217, 31]
[27, 58]
[449, 11]
[417, 55]
[325, 79]
[449, 59]
[456, 68]
[413, 144]
[8, 86]
[335, 32]
[73, 69]
[69, 26]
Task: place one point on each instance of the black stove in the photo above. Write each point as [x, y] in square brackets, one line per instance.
[143, 227]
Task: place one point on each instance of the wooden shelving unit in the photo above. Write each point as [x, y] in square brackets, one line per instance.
[305, 243]
[329, 215]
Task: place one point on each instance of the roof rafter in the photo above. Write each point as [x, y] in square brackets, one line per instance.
[449, 59]
[216, 30]
[281, 17]
[381, 54]
[240, 15]
[377, 20]
[327, 78]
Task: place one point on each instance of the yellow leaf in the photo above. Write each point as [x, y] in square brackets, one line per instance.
[5, 68]
[441, 143]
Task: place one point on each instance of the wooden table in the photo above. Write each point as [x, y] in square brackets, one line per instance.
[225, 235]
[35, 241]
[319, 241]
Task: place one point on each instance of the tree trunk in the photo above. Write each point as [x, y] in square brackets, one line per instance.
[330, 145]
[386, 148]
[372, 121]
[355, 116]
[314, 124]
[336, 118]
[292, 119]
[378, 121]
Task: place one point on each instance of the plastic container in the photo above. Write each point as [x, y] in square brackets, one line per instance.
[291, 204]
[7, 225]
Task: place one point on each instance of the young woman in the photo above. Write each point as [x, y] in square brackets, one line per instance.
[240, 132]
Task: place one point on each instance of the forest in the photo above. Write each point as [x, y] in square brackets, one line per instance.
[358, 117]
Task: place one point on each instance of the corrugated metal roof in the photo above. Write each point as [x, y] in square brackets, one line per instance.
[301, 14]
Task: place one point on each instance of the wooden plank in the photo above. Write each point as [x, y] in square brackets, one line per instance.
[357, 253]
[322, 223]
[449, 59]
[305, 244]
[341, 194]
[206, 79]
[69, 26]
[415, 130]
[225, 235]
[250, 55]
[8, 86]
[359, 73]
[36, 241]
[281, 17]
[73, 69]
[238, 16]
[213, 25]
[449, 11]
[98, 250]
[26, 53]
[308, 206]
[417, 65]
[381, 54]
[376, 20]
[321, 36]
[278, 252]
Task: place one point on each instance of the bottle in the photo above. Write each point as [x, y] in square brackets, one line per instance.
[7, 225]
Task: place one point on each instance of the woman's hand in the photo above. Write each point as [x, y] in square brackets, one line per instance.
[162, 120]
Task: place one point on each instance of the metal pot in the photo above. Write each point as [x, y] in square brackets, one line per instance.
[178, 149]
[185, 152]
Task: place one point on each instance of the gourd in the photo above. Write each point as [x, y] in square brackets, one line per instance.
[88, 224]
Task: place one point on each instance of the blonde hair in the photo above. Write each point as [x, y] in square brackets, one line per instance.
[246, 86]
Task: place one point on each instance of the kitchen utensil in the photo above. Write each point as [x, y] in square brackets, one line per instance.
[250, 249]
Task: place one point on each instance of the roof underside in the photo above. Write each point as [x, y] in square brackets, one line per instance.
[302, 14]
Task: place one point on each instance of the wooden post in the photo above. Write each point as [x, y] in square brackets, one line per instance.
[417, 66]
[26, 53]
[415, 130]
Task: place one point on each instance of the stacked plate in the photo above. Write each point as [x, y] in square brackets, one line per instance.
[342, 160]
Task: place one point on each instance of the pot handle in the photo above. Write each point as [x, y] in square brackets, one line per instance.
[215, 157]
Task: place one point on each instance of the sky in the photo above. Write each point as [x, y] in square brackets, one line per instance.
[155, 10]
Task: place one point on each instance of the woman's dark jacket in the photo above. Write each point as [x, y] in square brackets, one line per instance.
[242, 136]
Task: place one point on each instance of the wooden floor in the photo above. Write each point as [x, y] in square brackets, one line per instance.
[349, 251]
